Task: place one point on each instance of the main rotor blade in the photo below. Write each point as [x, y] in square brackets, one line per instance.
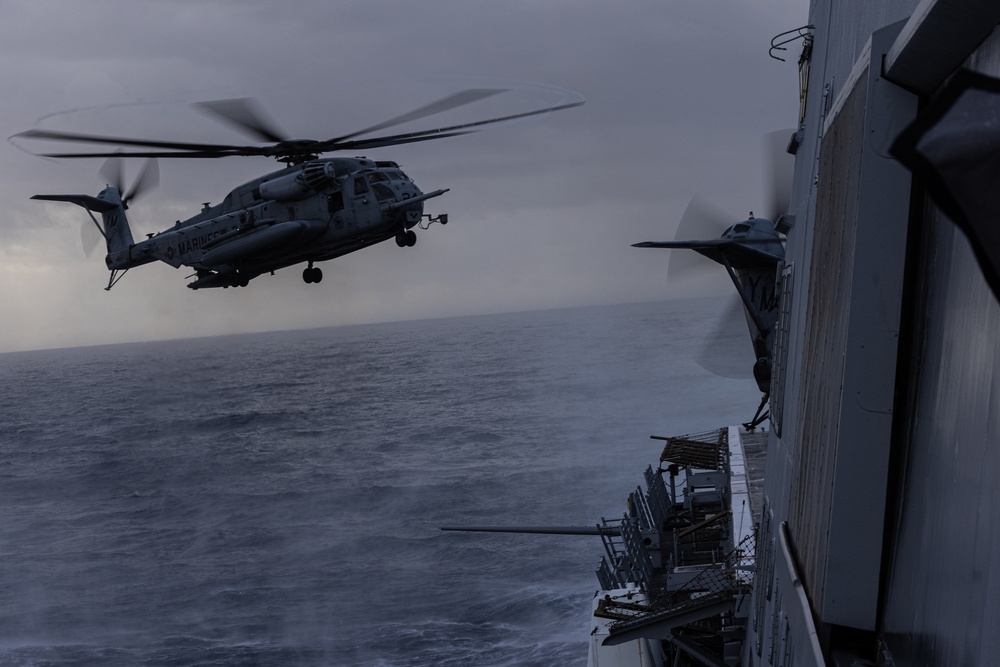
[246, 115]
[779, 166]
[50, 135]
[437, 133]
[458, 99]
[398, 140]
[249, 150]
[288, 150]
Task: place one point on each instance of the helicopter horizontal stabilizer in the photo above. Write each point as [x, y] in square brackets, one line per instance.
[86, 201]
[740, 253]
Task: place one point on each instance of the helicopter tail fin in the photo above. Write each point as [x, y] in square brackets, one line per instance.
[115, 228]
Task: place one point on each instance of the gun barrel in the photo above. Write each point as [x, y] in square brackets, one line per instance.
[611, 531]
[415, 200]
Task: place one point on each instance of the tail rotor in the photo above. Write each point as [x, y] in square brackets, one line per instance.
[700, 220]
[720, 354]
[113, 173]
[779, 167]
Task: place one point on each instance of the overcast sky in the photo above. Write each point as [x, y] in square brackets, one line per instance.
[542, 213]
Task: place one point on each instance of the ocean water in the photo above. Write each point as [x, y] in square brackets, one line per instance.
[275, 499]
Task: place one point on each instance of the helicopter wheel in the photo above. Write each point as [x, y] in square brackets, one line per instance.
[312, 275]
[401, 239]
[411, 238]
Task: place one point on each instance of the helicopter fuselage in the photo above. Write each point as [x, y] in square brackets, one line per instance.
[308, 212]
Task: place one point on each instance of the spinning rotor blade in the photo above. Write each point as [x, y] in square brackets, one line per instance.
[148, 179]
[89, 238]
[779, 166]
[460, 98]
[246, 115]
[240, 113]
[437, 133]
[700, 221]
[74, 137]
[113, 171]
[724, 351]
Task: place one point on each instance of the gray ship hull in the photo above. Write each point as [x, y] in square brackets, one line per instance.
[877, 523]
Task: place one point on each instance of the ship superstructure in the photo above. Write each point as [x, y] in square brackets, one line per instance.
[878, 534]
[678, 566]
[873, 539]
[881, 485]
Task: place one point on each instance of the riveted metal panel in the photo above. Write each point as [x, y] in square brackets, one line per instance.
[942, 595]
[836, 514]
[824, 338]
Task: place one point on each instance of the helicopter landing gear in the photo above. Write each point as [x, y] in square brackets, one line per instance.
[312, 275]
[443, 219]
[758, 417]
[406, 239]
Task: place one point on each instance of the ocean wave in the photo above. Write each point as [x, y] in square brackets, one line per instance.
[276, 498]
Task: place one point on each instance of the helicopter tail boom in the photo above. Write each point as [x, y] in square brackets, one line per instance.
[115, 228]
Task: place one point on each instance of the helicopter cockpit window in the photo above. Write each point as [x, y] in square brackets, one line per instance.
[360, 187]
[741, 228]
[377, 177]
[382, 192]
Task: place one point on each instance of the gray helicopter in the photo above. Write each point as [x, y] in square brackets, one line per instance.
[752, 252]
[312, 210]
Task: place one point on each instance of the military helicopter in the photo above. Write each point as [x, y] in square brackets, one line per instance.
[312, 210]
[752, 251]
